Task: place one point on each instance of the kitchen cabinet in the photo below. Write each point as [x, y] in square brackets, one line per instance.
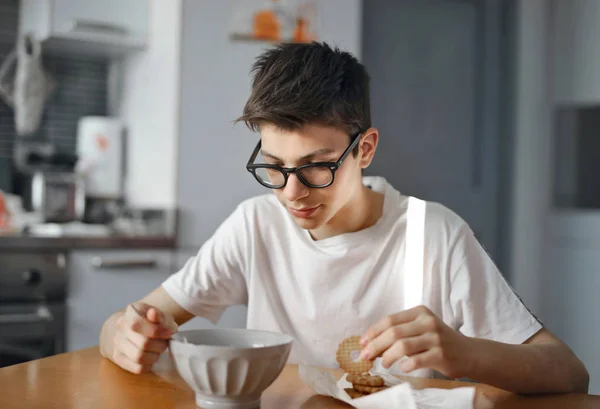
[575, 54]
[102, 282]
[108, 27]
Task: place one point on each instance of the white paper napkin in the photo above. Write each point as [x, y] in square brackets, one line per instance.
[400, 395]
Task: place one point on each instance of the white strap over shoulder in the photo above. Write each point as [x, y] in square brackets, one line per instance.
[413, 258]
[413, 276]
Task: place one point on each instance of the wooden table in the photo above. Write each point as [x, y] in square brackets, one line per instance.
[85, 380]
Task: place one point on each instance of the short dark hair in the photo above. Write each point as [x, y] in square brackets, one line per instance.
[297, 84]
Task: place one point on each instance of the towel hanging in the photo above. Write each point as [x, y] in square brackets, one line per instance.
[24, 84]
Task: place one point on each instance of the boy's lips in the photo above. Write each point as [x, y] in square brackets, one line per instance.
[304, 212]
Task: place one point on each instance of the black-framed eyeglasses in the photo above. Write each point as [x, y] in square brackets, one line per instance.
[313, 175]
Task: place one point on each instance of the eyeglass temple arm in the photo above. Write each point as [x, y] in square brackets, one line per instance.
[350, 149]
[254, 154]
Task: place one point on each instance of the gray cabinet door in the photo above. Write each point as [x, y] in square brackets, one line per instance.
[103, 282]
[434, 90]
[570, 286]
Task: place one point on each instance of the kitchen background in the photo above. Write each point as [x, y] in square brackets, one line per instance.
[488, 106]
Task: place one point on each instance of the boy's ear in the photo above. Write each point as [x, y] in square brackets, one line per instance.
[367, 147]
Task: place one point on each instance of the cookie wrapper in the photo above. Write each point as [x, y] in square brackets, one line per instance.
[400, 395]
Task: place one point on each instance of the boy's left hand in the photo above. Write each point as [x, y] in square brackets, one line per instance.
[421, 336]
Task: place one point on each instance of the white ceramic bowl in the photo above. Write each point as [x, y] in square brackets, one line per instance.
[229, 368]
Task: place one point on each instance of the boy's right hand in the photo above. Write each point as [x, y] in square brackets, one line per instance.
[141, 335]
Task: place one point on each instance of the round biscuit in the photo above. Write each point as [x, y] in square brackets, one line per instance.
[344, 359]
[365, 379]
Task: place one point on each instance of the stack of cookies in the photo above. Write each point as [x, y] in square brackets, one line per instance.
[362, 382]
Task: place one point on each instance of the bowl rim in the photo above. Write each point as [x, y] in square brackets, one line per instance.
[288, 339]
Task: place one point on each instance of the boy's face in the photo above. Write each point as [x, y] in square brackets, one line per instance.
[313, 208]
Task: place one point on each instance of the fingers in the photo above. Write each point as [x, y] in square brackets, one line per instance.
[391, 321]
[407, 347]
[141, 336]
[388, 337]
[138, 323]
[138, 308]
[156, 316]
[420, 336]
[146, 344]
[137, 355]
[426, 359]
[124, 362]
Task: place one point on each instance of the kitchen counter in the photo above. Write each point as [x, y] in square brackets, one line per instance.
[40, 243]
[83, 379]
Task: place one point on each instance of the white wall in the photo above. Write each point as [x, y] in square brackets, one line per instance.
[341, 24]
[149, 105]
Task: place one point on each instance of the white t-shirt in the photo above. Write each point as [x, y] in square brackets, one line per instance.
[321, 292]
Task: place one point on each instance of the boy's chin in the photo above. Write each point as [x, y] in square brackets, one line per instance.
[308, 224]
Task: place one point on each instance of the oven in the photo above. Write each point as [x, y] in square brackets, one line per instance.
[32, 305]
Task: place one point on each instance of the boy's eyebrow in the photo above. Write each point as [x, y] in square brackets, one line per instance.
[322, 151]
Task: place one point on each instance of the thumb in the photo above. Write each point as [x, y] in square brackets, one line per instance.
[156, 316]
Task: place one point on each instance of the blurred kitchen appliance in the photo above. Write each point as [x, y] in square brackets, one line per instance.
[58, 196]
[33, 289]
[100, 148]
[48, 183]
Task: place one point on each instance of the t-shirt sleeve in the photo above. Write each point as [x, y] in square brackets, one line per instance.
[483, 303]
[214, 278]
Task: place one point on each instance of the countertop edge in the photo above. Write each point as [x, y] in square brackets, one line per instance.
[41, 243]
